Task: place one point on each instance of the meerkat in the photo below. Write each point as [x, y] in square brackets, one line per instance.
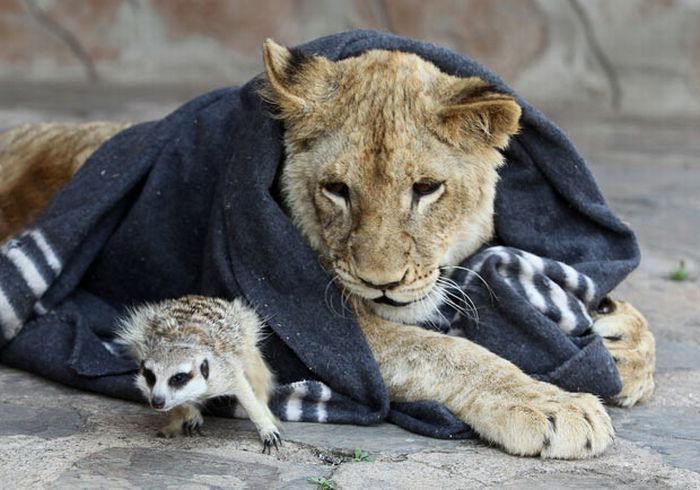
[195, 348]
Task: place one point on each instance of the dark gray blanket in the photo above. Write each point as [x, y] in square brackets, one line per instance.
[184, 205]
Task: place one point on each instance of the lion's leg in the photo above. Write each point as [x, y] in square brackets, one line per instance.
[505, 406]
[628, 338]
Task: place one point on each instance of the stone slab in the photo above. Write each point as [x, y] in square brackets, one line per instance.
[47, 423]
[672, 432]
[150, 468]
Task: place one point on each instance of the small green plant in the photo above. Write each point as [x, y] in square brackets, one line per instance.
[360, 456]
[680, 273]
[323, 483]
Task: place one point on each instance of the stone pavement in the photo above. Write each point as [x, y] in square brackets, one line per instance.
[57, 437]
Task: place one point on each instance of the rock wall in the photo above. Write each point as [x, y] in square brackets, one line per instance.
[638, 57]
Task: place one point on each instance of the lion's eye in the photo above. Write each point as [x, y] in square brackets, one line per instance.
[338, 189]
[426, 187]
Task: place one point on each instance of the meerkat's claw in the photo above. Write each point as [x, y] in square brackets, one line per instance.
[184, 419]
[191, 428]
[269, 440]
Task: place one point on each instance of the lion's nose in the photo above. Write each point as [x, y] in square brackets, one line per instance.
[384, 286]
[388, 285]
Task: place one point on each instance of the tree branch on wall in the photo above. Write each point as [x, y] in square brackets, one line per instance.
[65, 36]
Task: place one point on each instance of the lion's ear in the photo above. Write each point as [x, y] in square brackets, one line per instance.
[471, 108]
[296, 80]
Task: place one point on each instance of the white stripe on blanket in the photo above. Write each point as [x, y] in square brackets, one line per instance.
[9, 321]
[568, 302]
[293, 409]
[28, 270]
[46, 249]
[321, 412]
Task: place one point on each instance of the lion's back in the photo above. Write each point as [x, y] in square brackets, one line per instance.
[36, 160]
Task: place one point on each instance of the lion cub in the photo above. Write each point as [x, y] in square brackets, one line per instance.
[390, 174]
[195, 348]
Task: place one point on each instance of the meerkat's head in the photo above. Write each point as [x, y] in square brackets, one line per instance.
[173, 375]
[179, 344]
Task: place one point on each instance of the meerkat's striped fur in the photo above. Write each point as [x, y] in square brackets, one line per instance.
[195, 348]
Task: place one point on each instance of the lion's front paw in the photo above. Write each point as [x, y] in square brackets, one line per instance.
[551, 423]
[626, 335]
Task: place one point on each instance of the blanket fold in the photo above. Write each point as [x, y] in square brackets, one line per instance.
[185, 205]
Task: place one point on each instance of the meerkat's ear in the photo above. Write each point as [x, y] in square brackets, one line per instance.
[297, 81]
[472, 108]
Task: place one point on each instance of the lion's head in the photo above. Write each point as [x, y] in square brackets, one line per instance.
[391, 169]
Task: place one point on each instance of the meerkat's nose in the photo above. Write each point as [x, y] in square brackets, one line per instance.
[157, 402]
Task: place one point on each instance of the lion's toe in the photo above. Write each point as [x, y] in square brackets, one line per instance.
[627, 337]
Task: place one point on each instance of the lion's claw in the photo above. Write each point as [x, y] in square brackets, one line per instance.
[545, 421]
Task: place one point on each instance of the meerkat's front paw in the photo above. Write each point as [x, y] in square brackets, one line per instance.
[627, 337]
[269, 433]
[186, 420]
[192, 427]
[548, 422]
[169, 431]
[270, 439]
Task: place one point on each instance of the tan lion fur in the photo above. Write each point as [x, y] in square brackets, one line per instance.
[36, 160]
[380, 123]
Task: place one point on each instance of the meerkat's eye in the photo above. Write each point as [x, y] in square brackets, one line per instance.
[150, 377]
[180, 379]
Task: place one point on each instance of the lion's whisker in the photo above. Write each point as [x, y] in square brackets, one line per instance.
[455, 288]
[435, 307]
[463, 295]
[450, 289]
[330, 303]
[476, 274]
